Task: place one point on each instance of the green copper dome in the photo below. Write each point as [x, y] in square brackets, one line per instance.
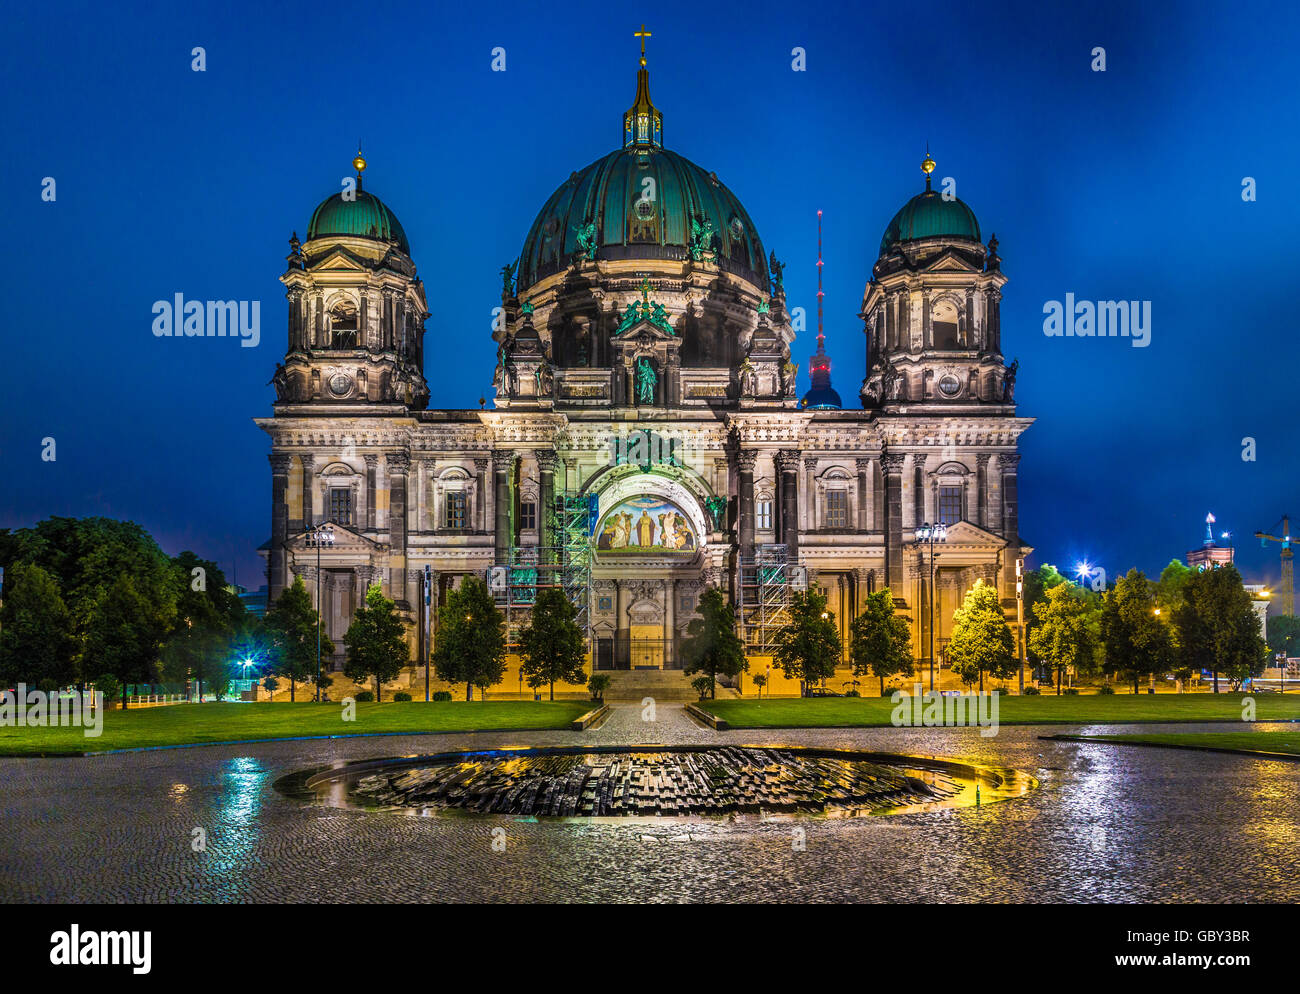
[929, 215]
[629, 224]
[365, 217]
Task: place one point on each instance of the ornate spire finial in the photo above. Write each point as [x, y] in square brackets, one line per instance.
[927, 166]
[643, 34]
[642, 123]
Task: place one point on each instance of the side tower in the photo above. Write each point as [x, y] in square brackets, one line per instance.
[356, 312]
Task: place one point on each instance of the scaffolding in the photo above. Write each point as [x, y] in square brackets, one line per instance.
[563, 565]
[768, 580]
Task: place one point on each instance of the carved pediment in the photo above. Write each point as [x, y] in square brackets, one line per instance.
[345, 540]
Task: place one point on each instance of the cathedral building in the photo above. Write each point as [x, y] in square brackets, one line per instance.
[646, 438]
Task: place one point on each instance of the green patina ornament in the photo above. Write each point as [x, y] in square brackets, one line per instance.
[717, 508]
[659, 317]
[527, 307]
[646, 381]
[764, 307]
[701, 239]
[629, 318]
[587, 239]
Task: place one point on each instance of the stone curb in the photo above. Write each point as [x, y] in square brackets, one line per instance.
[585, 721]
[713, 721]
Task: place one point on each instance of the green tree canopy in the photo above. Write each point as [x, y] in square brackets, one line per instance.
[1065, 630]
[376, 641]
[880, 640]
[1169, 588]
[37, 641]
[808, 647]
[125, 633]
[291, 625]
[1135, 639]
[207, 616]
[1284, 634]
[552, 647]
[470, 644]
[981, 640]
[1217, 626]
[712, 646]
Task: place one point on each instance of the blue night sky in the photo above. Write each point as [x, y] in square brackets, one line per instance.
[1124, 184]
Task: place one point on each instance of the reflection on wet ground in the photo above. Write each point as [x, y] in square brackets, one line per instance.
[1104, 824]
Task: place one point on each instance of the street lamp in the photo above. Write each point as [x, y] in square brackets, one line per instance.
[322, 534]
[1083, 571]
[931, 534]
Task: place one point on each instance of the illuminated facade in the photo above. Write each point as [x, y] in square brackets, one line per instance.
[644, 383]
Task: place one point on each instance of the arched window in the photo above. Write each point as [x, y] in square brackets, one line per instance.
[343, 325]
[945, 328]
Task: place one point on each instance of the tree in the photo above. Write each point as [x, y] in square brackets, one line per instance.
[1169, 588]
[206, 617]
[808, 648]
[552, 647]
[37, 642]
[376, 641]
[1135, 639]
[760, 681]
[712, 646]
[1218, 629]
[1063, 635]
[470, 644]
[880, 640]
[1036, 584]
[598, 684]
[291, 623]
[126, 633]
[1284, 634]
[981, 641]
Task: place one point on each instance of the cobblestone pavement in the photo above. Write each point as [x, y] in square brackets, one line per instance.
[1107, 823]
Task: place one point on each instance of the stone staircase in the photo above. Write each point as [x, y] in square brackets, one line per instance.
[662, 685]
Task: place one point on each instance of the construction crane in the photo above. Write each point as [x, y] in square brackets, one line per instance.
[1288, 573]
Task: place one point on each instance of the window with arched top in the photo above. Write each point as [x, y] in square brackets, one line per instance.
[945, 325]
[343, 324]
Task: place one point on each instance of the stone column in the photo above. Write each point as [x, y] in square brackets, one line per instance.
[308, 519]
[480, 495]
[398, 465]
[981, 489]
[787, 461]
[425, 470]
[745, 460]
[809, 520]
[372, 464]
[276, 579]
[501, 463]
[892, 468]
[1009, 464]
[669, 622]
[864, 495]
[546, 494]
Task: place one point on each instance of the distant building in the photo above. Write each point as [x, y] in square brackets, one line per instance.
[1210, 555]
[254, 601]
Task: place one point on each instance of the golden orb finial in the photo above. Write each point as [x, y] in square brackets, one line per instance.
[927, 166]
[359, 163]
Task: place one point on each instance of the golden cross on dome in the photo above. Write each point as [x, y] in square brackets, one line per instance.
[645, 293]
[643, 34]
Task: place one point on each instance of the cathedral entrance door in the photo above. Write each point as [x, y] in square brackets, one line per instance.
[646, 647]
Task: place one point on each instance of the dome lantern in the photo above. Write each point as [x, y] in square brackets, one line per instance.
[643, 125]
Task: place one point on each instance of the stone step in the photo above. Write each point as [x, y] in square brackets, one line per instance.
[662, 685]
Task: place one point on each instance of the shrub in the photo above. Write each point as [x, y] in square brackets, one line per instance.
[598, 684]
[108, 685]
[365, 695]
[401, 695]
[890, 691]
[1032, 691]
[442, 695]
[1105, 688]
[702, 685]
[851, 693]
[1071, 691]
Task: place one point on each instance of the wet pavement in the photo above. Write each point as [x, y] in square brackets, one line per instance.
[1106, 823]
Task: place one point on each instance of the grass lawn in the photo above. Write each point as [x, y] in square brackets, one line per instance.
[1249, 743]
[181, 724]
[868, 712]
